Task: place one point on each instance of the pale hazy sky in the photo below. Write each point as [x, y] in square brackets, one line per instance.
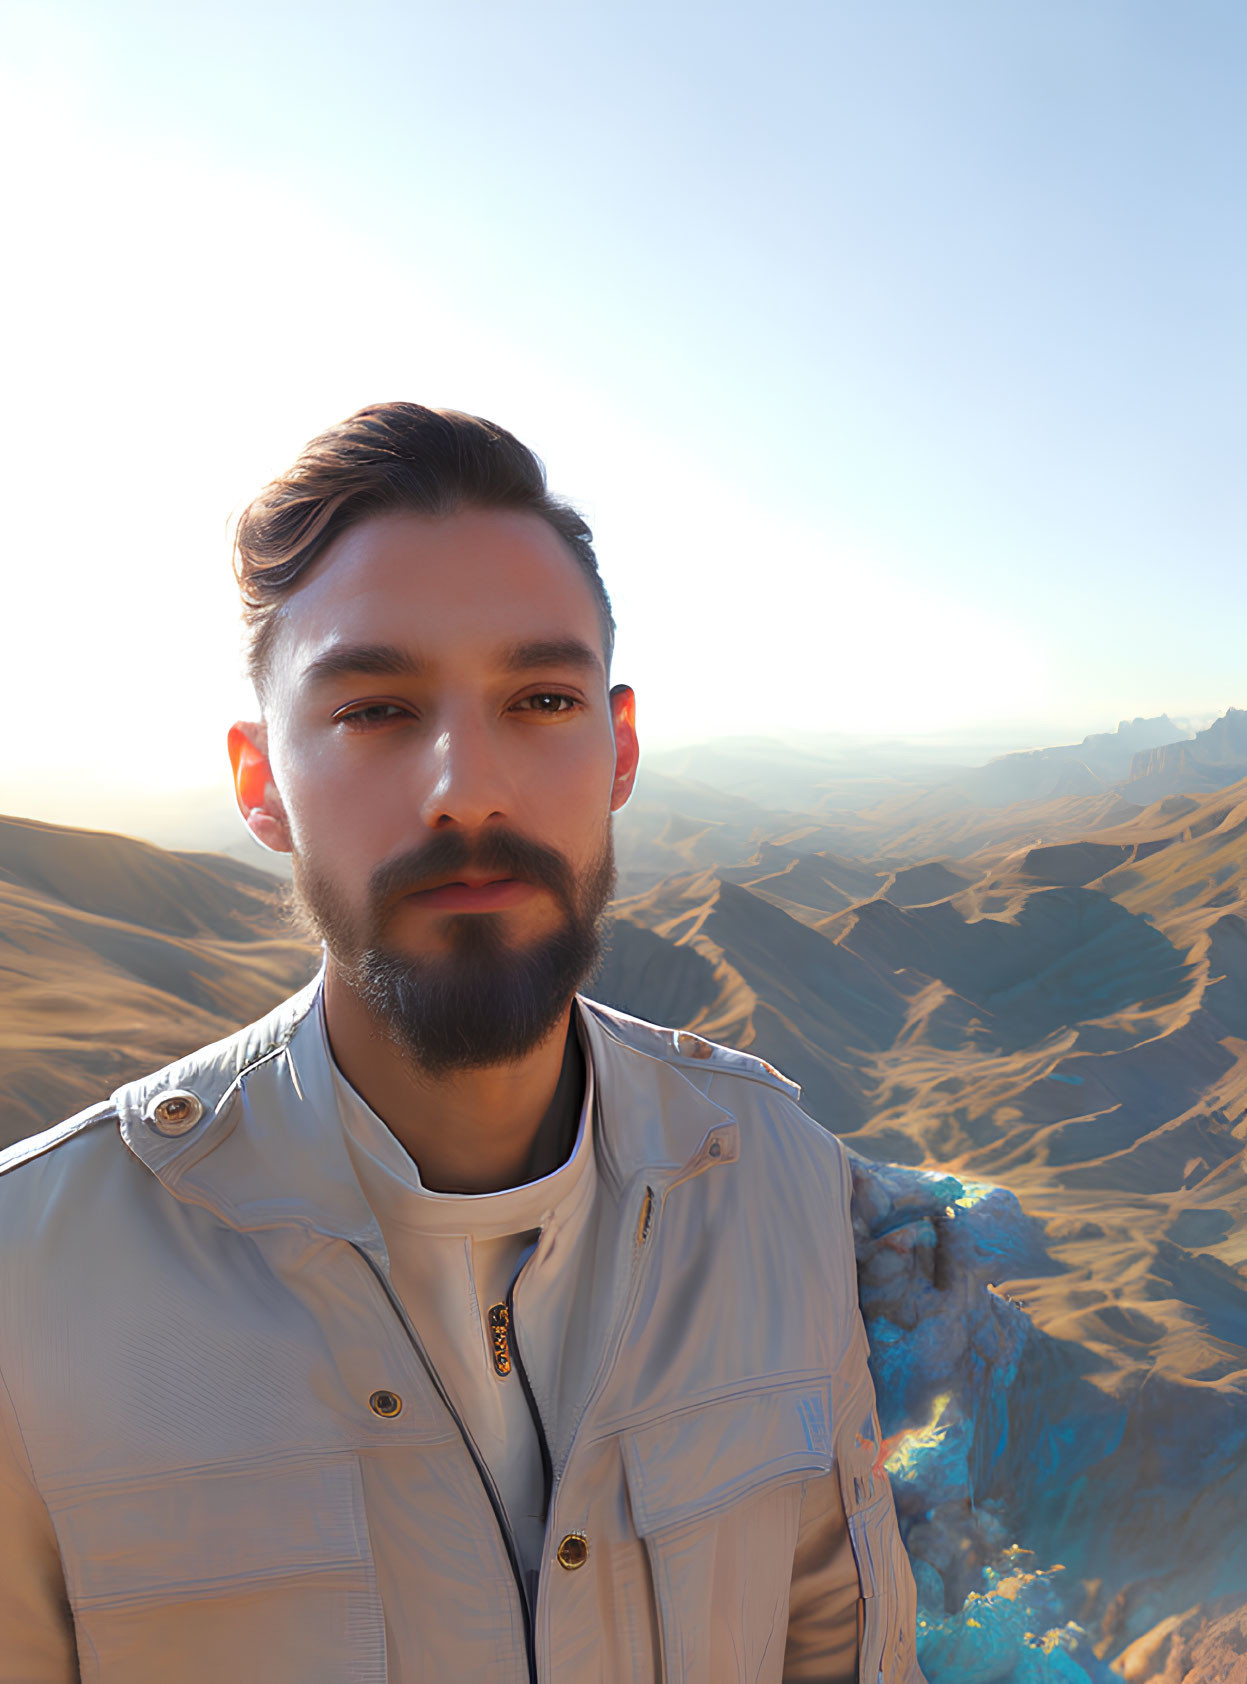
[896, 351]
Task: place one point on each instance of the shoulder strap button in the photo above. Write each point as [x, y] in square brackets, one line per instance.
[176, 1111]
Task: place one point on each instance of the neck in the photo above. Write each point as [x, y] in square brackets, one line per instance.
[473, 1131]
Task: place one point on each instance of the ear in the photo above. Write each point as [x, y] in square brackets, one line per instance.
[627, 749]
[258, 800]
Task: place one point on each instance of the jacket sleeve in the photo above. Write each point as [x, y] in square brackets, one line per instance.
[852, 1608]
[38, 1643]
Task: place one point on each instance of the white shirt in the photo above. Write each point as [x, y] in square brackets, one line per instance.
[453, 1257]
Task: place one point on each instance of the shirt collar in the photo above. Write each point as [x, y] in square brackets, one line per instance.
[391, 1179]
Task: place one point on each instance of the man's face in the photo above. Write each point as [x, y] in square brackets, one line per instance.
[441, 758]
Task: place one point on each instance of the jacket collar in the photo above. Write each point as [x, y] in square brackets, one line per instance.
[651, 1118]
[268, 1152]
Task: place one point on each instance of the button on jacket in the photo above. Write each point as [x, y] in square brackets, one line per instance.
[224, 1452]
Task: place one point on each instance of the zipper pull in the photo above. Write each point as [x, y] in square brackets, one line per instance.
[499, 1334]
[646, 1218]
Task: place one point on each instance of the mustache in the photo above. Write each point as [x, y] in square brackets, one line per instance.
[499, 852]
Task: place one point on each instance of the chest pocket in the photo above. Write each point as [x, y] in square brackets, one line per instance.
[715, 1493]
[248, 1572]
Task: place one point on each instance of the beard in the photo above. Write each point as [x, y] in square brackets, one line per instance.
[484, 1002]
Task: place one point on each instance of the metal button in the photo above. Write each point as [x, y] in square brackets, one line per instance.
[715, 1148]
[385, 1403]
[175, 1111]
[573, 1552]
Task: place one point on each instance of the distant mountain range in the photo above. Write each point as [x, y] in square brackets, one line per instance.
[1213, 758]
[1084, 768]
[722, 801]
[1144, 759]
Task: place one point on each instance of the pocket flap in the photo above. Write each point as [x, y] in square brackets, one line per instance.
[210, 1528]
[701, 1460]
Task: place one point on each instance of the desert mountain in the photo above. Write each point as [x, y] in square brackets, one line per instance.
[1065, 1018]
[1213, 758]
[1043, 774]
[116, 956]
[673, 825]
[1119, 950]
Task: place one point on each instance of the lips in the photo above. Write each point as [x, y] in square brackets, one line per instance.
[464, 883]
[484, 895]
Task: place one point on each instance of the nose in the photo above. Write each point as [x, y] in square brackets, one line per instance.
[470, 783]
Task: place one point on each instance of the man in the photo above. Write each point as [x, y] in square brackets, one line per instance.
[444, 1325]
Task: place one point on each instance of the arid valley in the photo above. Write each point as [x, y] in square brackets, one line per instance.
[1018, 991]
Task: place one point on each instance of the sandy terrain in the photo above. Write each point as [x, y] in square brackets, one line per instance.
[116, 956]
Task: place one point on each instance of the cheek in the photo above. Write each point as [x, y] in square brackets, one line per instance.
[570, 811]
[331, 798]
[580, 777]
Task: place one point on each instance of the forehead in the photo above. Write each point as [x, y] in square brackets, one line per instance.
[457, 588]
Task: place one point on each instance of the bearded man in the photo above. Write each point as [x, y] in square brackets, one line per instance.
[444, 1324]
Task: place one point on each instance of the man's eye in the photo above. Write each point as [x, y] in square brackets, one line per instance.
[376, 713]
[549, 701]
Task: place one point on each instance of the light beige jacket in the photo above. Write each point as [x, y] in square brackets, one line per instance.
[203, 1479]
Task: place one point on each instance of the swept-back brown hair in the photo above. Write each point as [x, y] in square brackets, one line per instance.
[387, 457]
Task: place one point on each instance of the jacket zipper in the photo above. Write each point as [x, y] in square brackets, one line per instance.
[644, 1224]
[487, 1480]
[547, 1466]
[644, 1229]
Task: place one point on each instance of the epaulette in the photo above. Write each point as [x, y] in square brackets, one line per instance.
[682, 1047]
[35, 1145]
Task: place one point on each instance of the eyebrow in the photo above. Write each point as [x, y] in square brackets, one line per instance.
[388, 660]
